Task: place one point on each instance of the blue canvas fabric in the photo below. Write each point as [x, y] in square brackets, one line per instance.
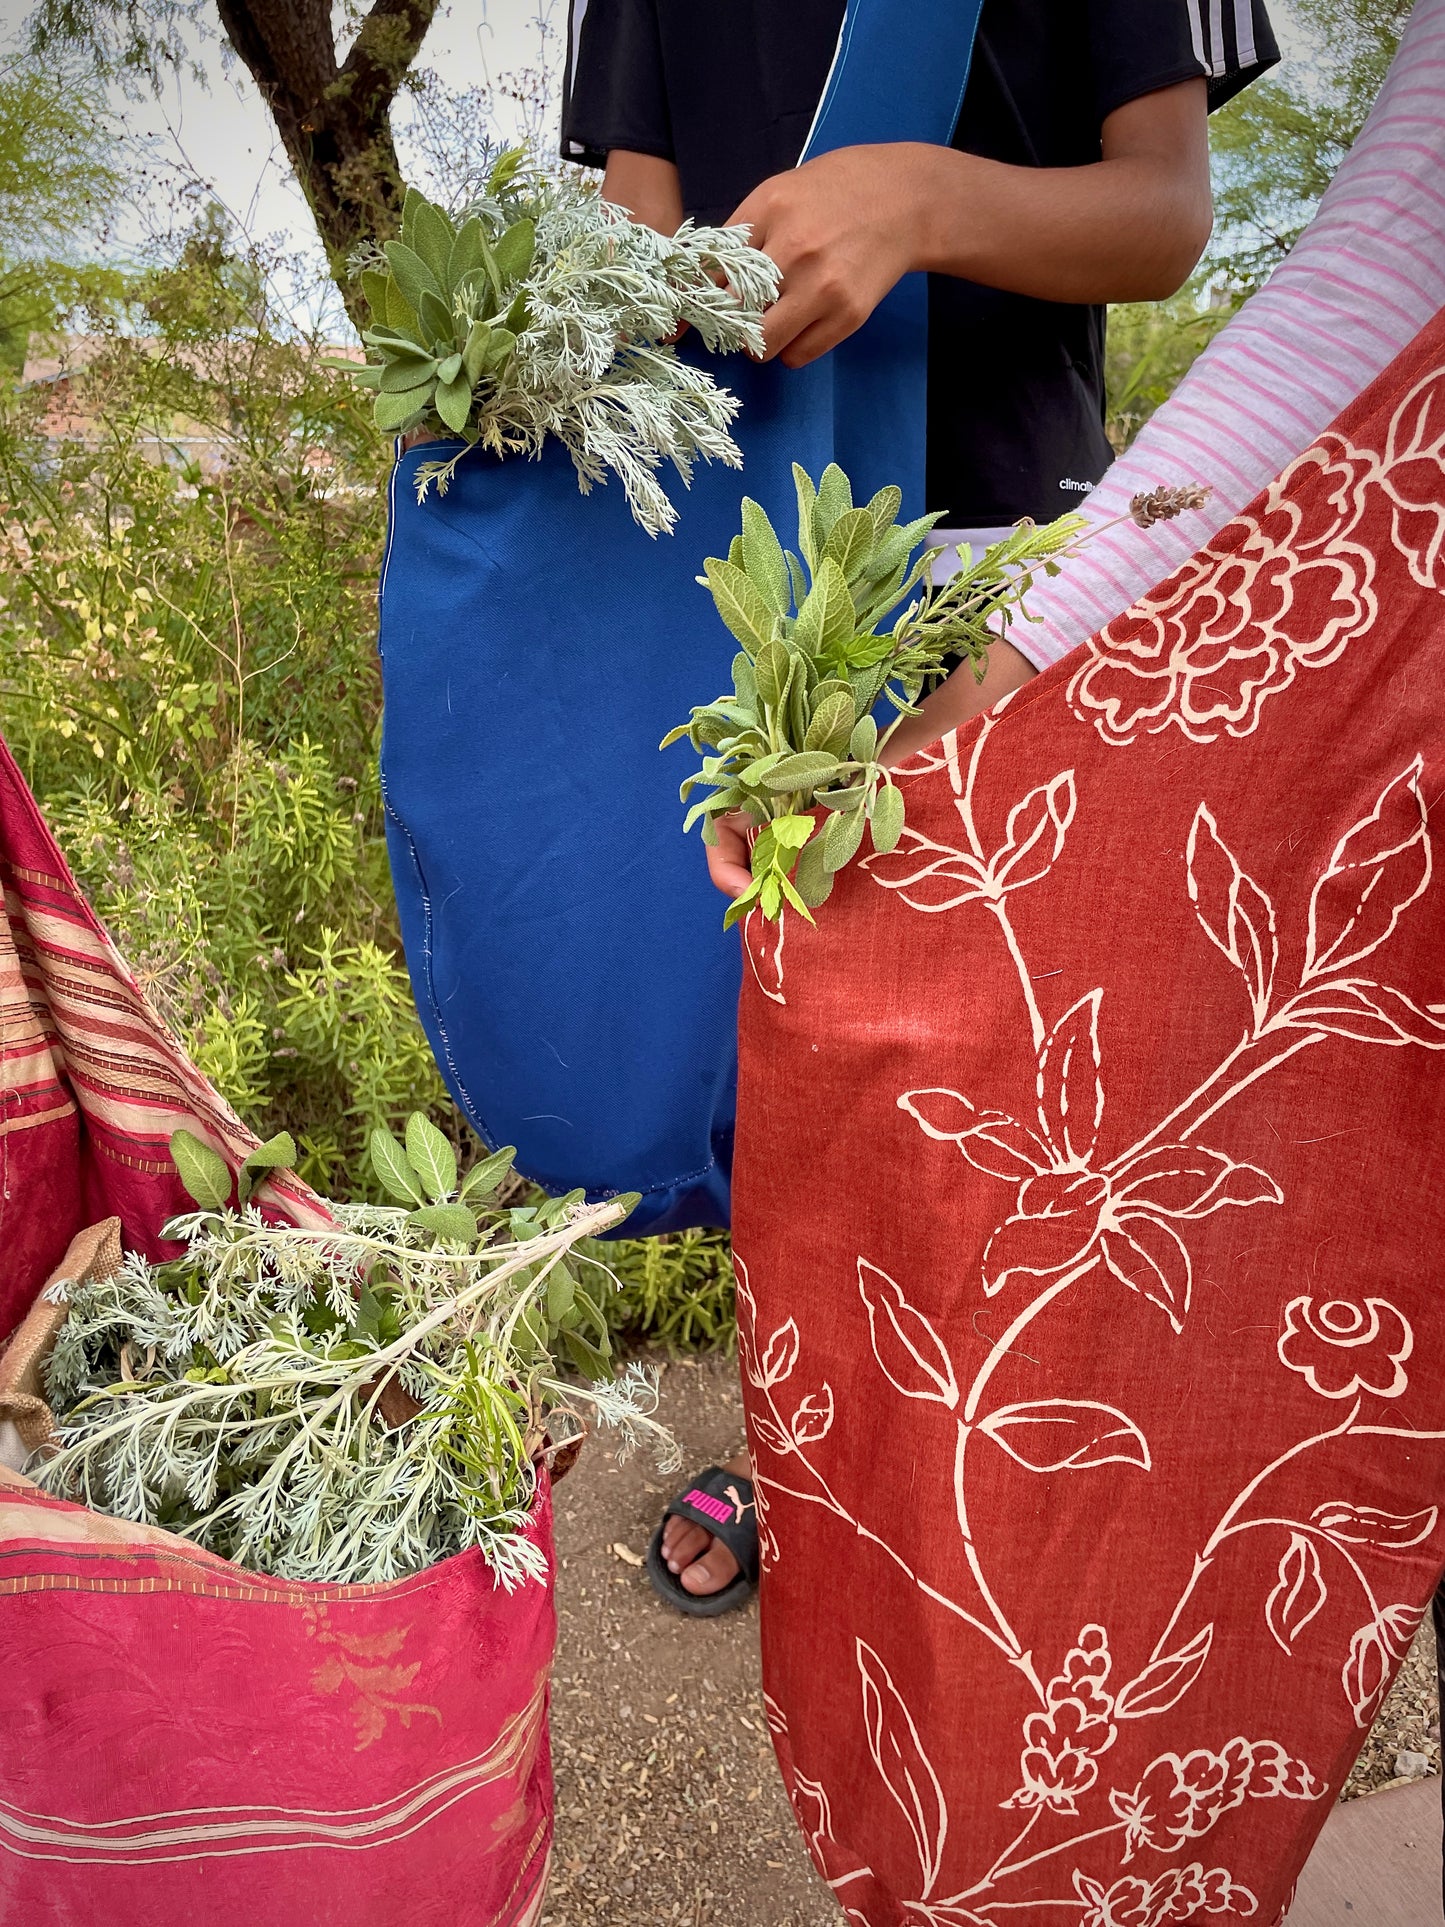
[565, 946]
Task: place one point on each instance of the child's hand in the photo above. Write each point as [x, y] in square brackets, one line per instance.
[843, 230]
[728, 861]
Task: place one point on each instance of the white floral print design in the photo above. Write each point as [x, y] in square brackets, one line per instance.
[1282, 591]
[1077, 1210]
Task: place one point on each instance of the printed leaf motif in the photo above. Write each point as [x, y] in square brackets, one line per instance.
[1164, 1682]
[1237, 916]
[1191, 1181]
[1147, 1256]
[990, 1140]
[771, 1434]
[763, 942]
[1366, 1525]
[1034, 838]
[1374, 1651]
[780, 1355]
[1071, 1091]
[813, 1419]
[927, 875]
[1298, 1594]
[1414, 458]
[1369, 1013]
[904, 1766]
[909, 1351]
[1379, 867]
[1067, 1435]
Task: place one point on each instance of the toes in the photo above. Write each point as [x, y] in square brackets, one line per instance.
[715, 1569]
[682, 1543]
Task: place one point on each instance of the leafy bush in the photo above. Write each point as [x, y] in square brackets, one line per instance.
[191, 525]
[675, 1291]
[190, 530]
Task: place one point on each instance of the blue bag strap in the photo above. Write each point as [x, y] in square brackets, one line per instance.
[899, 74]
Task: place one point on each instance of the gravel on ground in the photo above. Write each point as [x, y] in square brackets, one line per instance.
[670, 1812]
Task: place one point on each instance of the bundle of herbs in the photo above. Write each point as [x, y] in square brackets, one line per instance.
[544, 311]
[799, 732]
[349, 1404]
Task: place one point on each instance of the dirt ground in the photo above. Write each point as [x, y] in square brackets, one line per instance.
[669, 1806]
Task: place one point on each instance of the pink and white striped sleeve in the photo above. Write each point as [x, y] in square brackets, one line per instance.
[1360, 284]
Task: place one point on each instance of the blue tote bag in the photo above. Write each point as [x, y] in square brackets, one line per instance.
[565, 946]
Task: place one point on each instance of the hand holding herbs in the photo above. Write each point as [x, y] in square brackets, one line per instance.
[798, 731]
[237, 1394]
[544, 311]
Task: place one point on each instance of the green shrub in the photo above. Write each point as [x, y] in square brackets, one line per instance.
[188, 677]
[677, 1290]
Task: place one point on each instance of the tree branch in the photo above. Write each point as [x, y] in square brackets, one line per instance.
[383, 52]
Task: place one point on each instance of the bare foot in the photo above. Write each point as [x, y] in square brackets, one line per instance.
[702, 1564]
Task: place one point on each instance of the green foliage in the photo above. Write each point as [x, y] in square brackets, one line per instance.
[675, 1291]
[246, 1394]
[1151, 347]
[797, 731]
[58, 178]
[1277, 145]
[541, 311]
[188, 678]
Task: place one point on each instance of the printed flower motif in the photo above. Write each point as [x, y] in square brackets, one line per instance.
[1182, 1894]
[1064, 1220]
[1062, 1746]
[1069, 1213]
[1273, 594]
[1342, 1347]
[1181, 1798]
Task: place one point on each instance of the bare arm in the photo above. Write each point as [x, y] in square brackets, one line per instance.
[844, 228]
[646, 186]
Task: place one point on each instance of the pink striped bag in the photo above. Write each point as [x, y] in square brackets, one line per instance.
[357, 1754]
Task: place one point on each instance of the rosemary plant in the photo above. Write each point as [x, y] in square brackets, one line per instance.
[798, 732]
[544, 311]
[246, 1393]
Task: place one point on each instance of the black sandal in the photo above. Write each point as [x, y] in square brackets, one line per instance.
[721, 1502]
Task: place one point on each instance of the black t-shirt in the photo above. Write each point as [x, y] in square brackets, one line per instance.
[727, 90]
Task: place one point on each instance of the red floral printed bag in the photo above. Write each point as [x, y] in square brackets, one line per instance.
[1089, 1233]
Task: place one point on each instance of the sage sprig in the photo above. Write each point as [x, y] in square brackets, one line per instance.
[798, 732]
[235, 1394]
[542, 311]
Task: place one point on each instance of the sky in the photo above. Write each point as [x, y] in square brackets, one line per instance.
[220, 132]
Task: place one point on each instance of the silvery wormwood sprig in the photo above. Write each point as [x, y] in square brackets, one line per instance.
[236, 1394]
[798, 731]
[543, 311]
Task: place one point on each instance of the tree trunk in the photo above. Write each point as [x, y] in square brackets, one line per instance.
[334, 118]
